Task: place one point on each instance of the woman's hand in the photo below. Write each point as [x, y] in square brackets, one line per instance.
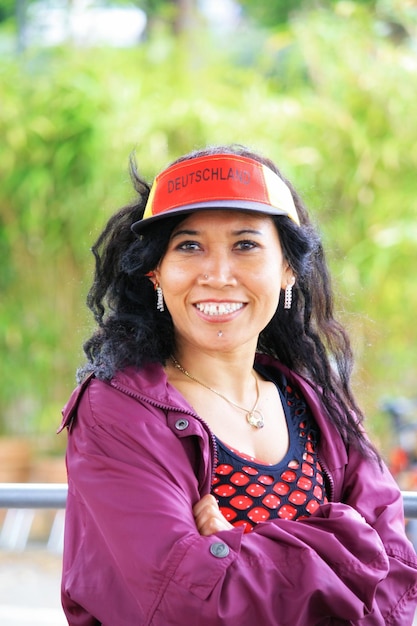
[208, 518]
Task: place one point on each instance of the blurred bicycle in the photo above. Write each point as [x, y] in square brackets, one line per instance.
[402, 458]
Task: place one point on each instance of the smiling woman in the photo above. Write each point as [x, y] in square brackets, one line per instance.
[218, 466]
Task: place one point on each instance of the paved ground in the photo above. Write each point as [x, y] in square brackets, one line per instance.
[29, 589]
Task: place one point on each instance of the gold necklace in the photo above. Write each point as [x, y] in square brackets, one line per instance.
[254, 416]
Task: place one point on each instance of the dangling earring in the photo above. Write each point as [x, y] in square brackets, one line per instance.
[288, 297]
[159, 298]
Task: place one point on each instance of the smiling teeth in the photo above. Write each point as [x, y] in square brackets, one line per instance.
[219, 309]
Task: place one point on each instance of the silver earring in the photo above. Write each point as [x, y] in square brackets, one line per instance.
[159, 299]
[288, 297]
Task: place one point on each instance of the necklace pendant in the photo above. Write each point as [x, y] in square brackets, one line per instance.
[255, 419]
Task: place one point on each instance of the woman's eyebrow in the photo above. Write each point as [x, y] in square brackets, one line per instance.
[187, 232]
[184, 231]
[247, 231]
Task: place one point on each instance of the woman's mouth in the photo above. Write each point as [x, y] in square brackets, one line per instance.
[218, 308]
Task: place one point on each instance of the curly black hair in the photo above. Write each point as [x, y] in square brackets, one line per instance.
[307, 338]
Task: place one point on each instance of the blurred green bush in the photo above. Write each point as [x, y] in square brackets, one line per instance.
[330, 99]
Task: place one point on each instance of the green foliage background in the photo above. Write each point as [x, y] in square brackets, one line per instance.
[329, 97]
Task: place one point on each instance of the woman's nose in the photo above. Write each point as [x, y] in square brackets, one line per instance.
[218, 271]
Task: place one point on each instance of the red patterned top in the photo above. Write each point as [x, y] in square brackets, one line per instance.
[249, 491]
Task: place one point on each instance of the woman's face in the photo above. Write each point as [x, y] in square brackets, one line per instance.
[221, 278]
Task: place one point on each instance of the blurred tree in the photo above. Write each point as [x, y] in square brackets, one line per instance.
[178, 15]
[330, 98]
[272, 14]
[7, 9]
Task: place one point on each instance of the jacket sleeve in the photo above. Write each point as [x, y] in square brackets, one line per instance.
[133, 554]
[371, 490]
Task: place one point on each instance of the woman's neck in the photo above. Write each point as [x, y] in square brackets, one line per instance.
[228, 373]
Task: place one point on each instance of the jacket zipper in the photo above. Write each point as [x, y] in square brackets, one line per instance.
[328, 476]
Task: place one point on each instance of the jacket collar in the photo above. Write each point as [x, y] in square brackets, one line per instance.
[151, 384]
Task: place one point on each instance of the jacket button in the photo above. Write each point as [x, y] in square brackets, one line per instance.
[181, 424]
[219, 549]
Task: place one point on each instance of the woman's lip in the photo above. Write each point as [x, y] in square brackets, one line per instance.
[218, 309]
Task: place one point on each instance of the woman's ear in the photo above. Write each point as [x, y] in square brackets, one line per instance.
[288, 277]
[152, 277]
[291, 281]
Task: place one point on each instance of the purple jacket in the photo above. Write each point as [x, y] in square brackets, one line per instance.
[139, 458]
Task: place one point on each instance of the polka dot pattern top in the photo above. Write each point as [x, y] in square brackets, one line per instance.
[249, 491]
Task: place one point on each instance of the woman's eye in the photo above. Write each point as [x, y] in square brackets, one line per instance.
[246, 245]
[188, 245]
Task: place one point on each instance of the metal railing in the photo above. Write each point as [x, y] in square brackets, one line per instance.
[33, 495]
[410, 504]
[23, 504]
[54, 496]
[22, 500]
